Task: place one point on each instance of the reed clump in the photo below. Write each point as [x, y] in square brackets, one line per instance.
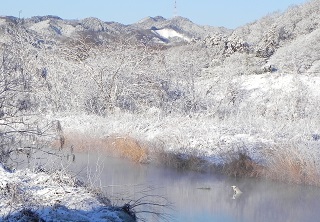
[241, 165]
[288, 164]
[123, 146]
[283, 163]
[180, 161]
[128, 147]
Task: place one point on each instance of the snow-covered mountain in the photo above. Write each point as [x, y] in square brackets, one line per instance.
[181, 25]
[157, 29]
[280, 28]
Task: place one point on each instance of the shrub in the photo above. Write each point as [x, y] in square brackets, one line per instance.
[180, 161]
[241, 165]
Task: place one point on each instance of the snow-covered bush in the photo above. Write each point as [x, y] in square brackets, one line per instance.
[226, 45]
[236, 44]
[269, 44]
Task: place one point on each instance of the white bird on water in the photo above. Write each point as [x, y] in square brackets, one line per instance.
[236, 192]
[236, 189]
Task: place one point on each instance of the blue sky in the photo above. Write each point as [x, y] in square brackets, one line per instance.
[227, 13]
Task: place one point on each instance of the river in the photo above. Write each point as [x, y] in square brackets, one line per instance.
[196, 196]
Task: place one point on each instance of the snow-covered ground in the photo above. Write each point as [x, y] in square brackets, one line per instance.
[26, 195]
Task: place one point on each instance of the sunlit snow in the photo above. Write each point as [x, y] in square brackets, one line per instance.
[170, 33]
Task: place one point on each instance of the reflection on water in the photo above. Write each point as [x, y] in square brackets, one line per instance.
[201, 197]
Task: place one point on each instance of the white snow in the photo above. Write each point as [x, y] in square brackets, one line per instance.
[267, 82]
[285, 82]
[170, 33]
[54, 197]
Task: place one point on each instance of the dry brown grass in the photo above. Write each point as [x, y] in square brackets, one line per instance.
[132, 149]
[123, 146]
[128, 147]
[284, 163]
[287, 164]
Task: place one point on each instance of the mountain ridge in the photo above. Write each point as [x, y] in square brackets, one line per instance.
[56, 26]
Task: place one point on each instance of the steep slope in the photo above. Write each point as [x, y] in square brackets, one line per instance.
[299, 56]
[277, 29]
[284, 42]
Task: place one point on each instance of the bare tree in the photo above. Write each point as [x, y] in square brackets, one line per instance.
[21, 131]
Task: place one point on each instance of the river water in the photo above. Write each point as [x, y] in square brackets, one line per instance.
[192, 196]
[196, 196]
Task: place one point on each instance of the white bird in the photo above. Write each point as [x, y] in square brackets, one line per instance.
[236, 192]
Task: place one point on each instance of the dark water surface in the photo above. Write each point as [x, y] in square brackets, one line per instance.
[198, 196]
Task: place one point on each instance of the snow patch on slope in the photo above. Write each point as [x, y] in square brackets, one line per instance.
[286, 82]
[170, 33]
[269, 82]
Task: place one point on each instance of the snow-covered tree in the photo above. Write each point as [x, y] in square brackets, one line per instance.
[21, 130]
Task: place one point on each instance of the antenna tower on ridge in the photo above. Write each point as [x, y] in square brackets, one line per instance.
[175, 10]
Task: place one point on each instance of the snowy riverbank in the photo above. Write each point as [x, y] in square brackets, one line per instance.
[27, 195]
[281, 150]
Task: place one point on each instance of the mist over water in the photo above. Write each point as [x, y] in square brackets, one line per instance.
[199, 196]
